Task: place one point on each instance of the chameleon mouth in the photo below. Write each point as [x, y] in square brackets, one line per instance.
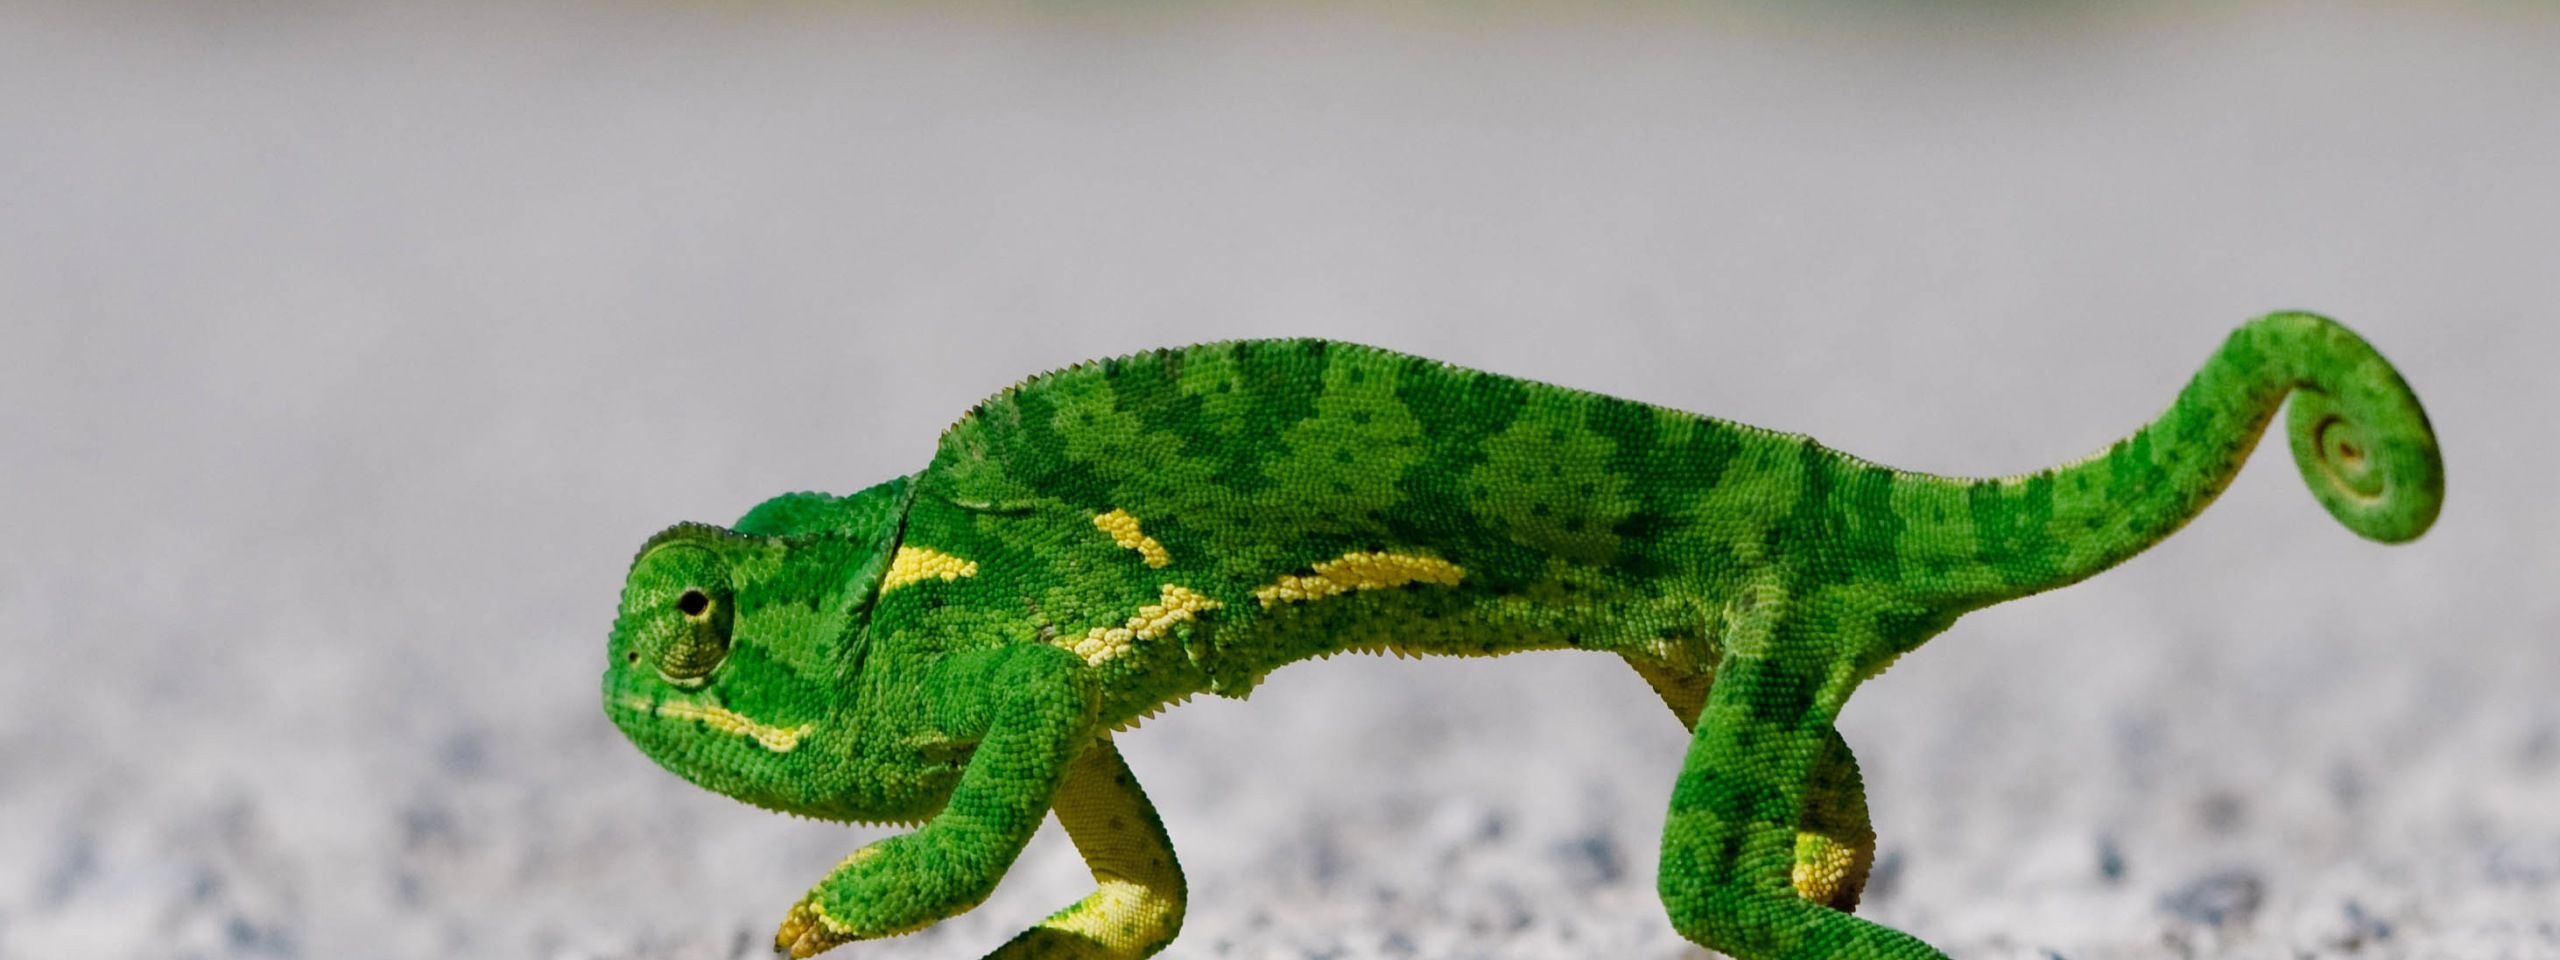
[768, 736]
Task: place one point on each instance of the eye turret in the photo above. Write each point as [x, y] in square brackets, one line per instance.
[683, 591]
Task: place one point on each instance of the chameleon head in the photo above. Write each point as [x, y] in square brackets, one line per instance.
[732, 662]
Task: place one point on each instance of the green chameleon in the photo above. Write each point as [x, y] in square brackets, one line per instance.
[955, 648]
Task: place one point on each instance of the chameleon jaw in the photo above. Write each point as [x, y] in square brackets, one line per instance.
[777, 739]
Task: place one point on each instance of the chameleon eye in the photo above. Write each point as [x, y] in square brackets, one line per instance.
[699, 641]
[682, 592]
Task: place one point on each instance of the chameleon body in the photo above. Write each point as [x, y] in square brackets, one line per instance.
[955, 648]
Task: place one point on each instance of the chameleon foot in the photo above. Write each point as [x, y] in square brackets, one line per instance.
[807, 932]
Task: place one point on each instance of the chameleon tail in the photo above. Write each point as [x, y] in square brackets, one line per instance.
[2358, 435]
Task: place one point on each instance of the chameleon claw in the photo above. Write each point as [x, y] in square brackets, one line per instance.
[794, 924]
[811, 944]
[805, 933]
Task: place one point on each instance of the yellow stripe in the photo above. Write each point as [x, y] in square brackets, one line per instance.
[1175, 604]
[911, 564]
[1124, 531]
[768, 736]
[1359, 570]
[1122, 915]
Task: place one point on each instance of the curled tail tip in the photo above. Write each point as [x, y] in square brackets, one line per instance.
[2359, 435]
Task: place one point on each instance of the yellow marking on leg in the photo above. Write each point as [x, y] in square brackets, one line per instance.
[1124, 531]
[1123, 915]
[830, 924]
[1174, 605]
[1137, 902]
[911, 564]
[768, 736]
[1825, 869]
[1359, 570]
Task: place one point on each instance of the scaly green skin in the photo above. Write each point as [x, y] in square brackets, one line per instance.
[954, 648]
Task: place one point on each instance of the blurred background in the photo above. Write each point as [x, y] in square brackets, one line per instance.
[351, 349]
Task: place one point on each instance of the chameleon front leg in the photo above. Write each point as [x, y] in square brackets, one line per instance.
[1137, 905]
[1039, 713]
[1759, 779]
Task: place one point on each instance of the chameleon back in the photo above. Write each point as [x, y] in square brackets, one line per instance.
[1330, 496]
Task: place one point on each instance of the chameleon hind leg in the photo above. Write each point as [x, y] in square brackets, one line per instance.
[1735, 874]
[1136, 906]
[1835, 841]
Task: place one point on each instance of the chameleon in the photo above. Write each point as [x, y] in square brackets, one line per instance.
[955, 649]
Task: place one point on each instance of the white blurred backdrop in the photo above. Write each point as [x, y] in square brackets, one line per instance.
[350, 349]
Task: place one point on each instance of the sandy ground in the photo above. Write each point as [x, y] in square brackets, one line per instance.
[350, 351]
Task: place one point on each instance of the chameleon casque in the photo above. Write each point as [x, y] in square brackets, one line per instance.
[956, 648]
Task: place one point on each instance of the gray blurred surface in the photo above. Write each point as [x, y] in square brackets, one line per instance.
[349, 351]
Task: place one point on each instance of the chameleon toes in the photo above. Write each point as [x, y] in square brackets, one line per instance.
[804, 932]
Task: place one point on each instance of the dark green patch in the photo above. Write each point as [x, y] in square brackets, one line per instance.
[2012, 523]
